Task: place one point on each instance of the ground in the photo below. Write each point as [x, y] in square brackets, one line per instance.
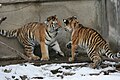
[59, 71]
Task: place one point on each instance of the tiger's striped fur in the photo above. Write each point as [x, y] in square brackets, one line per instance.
[88, 39]
[35, 33]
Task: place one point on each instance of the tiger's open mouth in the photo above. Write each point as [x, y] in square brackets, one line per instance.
[66, 29]
[58, 28]
[55, 29]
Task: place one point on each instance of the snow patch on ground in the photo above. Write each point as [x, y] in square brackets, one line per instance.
[64, 71]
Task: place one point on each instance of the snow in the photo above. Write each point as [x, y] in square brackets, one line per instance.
[61, 71]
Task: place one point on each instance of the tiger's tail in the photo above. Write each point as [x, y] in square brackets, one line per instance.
[111, 55]
[9, 33]
[2, 19]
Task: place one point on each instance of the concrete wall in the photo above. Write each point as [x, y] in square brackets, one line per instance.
[20, 13]
[113, 16]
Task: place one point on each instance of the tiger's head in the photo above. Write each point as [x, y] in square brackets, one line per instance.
[53, 23]
[70, 23]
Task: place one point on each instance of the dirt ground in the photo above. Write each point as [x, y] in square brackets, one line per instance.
[55, 58]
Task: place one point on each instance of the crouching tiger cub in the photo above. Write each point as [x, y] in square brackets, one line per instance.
[35, 33]
[88, 39]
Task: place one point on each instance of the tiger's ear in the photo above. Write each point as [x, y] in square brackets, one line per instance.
[48, 19]
[75, 17]
[55, 15]
[46, 22]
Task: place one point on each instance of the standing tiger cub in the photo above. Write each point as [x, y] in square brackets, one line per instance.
[88, 39]
[35, 33]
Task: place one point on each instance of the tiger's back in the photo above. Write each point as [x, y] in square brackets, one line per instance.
[90, 40]
[31, 33]
[88, 37]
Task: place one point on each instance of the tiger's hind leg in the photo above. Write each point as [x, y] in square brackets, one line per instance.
[96, 62]
[96, 58]
[29, 52]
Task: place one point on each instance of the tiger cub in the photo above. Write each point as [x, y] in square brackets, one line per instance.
[88, 39]
[35, 33]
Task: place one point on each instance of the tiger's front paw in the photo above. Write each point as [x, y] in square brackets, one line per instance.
[71, 59]
[44, 58]
[35, 57]
[61, 54]
[92, 65]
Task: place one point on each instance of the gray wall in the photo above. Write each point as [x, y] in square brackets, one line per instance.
[113, 16]
[91, 13]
